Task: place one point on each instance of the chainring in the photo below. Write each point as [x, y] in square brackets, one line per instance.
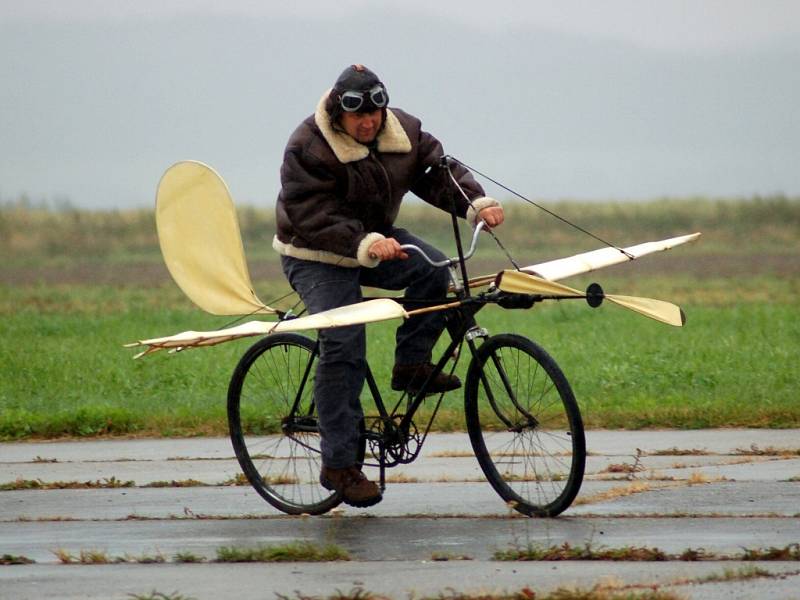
[402, 447]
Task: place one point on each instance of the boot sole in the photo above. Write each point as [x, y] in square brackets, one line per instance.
[366, 502]
[363, 503]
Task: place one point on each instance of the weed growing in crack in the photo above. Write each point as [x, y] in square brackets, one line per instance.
[38, 484]
[525, 593]
[675, 451]
[187, 557]
[629, 469]
[741, 574]
[302, 551]
[618, 492]
[41, 459]
[13, 559]
[154, 595]
[693, 555]
[566, 551]
[789, 552]
[144, 559]
[754, 450]
[448, 556]
[173, 483]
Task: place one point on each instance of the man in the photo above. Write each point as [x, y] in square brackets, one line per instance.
[345, 171]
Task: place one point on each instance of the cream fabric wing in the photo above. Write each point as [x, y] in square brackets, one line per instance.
[561, 268]
[605, 257]
[371, 311]
[200, 240]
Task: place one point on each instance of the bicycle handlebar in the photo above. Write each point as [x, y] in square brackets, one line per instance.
[448, 261]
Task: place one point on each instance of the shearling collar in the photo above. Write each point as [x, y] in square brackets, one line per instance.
[392, 138]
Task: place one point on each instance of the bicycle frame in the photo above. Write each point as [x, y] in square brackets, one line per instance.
[509, 380]
[461, 326]
[398, 430]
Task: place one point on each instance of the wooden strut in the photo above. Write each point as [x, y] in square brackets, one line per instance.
[428, 309]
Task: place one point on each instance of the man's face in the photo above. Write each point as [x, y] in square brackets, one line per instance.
[362, 127]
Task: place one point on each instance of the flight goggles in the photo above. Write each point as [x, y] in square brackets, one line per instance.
[353, 101]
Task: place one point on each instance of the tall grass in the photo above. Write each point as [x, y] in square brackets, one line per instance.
[29, 234]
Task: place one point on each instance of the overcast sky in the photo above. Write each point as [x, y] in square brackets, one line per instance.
[614, 99]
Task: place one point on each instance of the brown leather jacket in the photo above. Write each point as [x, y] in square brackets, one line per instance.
[339, 196]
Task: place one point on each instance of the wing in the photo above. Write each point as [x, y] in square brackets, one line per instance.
[200, 240]
[562, 268]
[371, 311]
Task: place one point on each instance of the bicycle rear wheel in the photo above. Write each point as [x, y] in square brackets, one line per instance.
[525, 426]
[273, 424]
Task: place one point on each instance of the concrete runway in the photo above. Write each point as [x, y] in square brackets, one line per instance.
[717, 490]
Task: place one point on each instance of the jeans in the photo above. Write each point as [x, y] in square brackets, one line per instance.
[342, 364]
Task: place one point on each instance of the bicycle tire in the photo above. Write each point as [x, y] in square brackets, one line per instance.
[276, 442]
[525, 428]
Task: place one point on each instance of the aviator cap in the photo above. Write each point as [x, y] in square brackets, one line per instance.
[357, 90]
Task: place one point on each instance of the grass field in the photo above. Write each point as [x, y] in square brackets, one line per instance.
[75, 286]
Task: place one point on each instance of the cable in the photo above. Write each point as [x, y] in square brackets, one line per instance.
[488, 229]
[539, 206]
[250, 314]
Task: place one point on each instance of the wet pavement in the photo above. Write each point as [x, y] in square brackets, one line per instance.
[721, 491]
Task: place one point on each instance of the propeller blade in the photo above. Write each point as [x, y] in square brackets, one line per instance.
[666, 312]
[517, 282]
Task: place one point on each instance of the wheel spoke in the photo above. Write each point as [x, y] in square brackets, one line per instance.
[270, 392]
[525, 426]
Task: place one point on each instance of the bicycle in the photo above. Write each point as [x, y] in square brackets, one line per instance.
[524, 424]
[522, 418]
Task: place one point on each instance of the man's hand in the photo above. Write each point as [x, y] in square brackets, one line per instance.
[387, 249]
[492, 216]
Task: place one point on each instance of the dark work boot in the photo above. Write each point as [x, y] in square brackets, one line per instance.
[411, 377]
[352, 485]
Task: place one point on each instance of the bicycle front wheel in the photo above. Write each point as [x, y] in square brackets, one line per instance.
[525, 426]
[273, 424]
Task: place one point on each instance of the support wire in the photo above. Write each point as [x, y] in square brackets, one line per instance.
[488, 229]
[539, 206]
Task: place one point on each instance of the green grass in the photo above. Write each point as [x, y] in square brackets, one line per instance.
[77, 285]
[66, 373]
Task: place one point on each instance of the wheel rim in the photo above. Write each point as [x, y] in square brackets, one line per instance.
[280, 460]
[526, 431]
